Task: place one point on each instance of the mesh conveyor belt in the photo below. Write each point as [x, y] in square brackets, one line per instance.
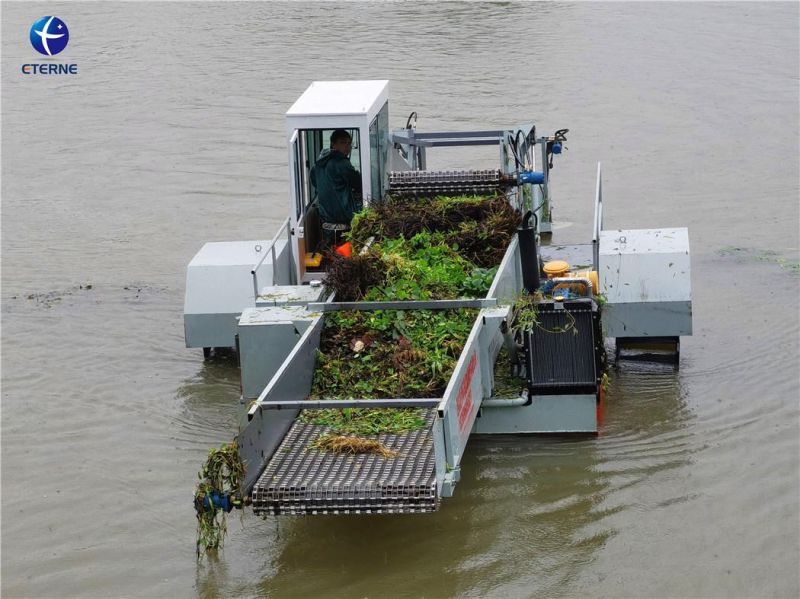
[299, 480]
[431, 183]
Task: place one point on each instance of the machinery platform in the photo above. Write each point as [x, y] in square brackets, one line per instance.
[578, 256]
[299, 480]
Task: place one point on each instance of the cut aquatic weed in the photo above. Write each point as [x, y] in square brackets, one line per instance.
[506, 383]
[385, 354]
[420, 268]
[366, 421]
[525, 315]
[223, 473]
[479, 281]
[352, 445]
[389, 353]
[351, 278]
[481, 227]
[431, 249]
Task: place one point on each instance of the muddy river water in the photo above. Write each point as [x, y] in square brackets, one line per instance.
[172, 134]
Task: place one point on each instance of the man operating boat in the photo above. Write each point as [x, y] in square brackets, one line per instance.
[338, 186]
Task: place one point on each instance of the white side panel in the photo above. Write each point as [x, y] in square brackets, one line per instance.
[645, 265]
[546, 414]
[219, 279]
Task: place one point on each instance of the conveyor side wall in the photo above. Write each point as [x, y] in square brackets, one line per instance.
[470, 384]
[474, 373]
[266, 428]
[507, 282]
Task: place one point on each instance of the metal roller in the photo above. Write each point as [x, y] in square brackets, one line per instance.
[432, 183]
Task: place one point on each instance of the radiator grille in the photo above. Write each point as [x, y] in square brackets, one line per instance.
[561, 353]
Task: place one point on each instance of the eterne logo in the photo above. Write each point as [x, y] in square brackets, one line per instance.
[49, 36]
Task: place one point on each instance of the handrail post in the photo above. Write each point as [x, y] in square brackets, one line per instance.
[292, 272]
[272, 249]
[273, 255]
[598, 217]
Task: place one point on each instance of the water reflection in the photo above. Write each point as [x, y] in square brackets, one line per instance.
[210, 402]
[646, 425]
[351, 556]
[210, 576]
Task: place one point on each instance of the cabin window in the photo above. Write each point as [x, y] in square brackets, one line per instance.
[297, 176]
[315, 140]
[379, 151]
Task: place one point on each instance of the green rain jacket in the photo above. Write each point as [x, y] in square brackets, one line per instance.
[338, 186]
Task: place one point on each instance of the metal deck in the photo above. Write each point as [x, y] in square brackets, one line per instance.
[578, 256]
[299, 480]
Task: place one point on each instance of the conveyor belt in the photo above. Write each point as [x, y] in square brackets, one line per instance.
[433, 183]
[299, 480]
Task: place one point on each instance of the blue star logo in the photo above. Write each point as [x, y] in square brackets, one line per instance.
[49, 35]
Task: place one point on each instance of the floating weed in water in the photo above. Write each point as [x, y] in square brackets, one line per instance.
[793, 266]
[352, 445]
[755, 255]
[223, 473]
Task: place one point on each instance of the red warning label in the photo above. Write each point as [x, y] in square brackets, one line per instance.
[464, 398]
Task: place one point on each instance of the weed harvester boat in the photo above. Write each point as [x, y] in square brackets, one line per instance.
[268, 300]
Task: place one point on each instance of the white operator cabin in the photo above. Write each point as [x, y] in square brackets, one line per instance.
[362, 109]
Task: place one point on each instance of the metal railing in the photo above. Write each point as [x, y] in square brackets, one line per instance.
[271, 251]
[598, 217]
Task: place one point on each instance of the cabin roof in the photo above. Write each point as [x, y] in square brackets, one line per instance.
[338, 98]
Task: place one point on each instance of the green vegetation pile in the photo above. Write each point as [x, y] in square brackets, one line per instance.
[479, 228]
[351, 278]
[385, 354]
[405, 249]
[440, 248]
[423, 267]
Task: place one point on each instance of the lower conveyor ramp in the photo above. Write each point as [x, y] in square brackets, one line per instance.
[299, 480]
